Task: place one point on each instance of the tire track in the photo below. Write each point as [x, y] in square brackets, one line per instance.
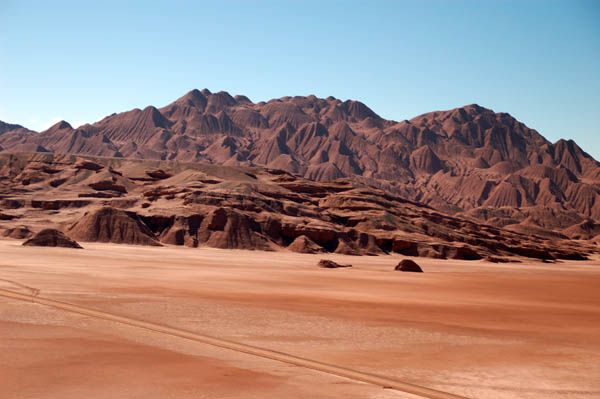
[239, 347]
[34, 291]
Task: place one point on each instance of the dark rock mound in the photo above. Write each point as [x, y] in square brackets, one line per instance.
[329, 264]
[51, 238]
[112, 225]
[407, 265]
[305, 245]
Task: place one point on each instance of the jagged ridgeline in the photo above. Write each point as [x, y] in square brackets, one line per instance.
[469, 162]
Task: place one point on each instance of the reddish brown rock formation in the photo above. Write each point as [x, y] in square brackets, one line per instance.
[329, 264]
[346, 247]
[6, 216]
[158, 174]
[112, 225]
[256, 208]
[18, 232]
[108, 185]
[305, 245]
[226, 228]
[51, 238]
[583, 231]
[408, 265]
[466, 160]
[88, 165]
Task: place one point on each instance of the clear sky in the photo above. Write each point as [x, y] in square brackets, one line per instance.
[82, 60]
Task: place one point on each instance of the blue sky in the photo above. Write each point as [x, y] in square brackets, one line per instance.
[82, 60]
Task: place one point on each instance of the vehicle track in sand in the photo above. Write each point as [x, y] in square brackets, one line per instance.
[339, 371]
[34, 291]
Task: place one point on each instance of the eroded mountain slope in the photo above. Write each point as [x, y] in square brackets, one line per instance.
[469, 160]
[170, 202]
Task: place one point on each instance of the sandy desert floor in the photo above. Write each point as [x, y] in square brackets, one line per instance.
[474, 329]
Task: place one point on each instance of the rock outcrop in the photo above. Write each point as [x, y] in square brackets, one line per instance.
[228, 229]
[408, 265]
[329, 264]
[305, 245]
[236, 207]
[51, 238]
[112, 225]
[18, 232]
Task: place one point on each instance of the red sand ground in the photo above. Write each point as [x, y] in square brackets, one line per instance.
[475, 329]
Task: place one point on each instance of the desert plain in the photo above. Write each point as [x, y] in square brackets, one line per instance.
[471, 329]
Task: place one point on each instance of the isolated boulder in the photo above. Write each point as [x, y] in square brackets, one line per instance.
[51, 238]
[329, 264]
[408, 265]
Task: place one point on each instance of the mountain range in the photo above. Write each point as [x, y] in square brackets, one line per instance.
[469, 162]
